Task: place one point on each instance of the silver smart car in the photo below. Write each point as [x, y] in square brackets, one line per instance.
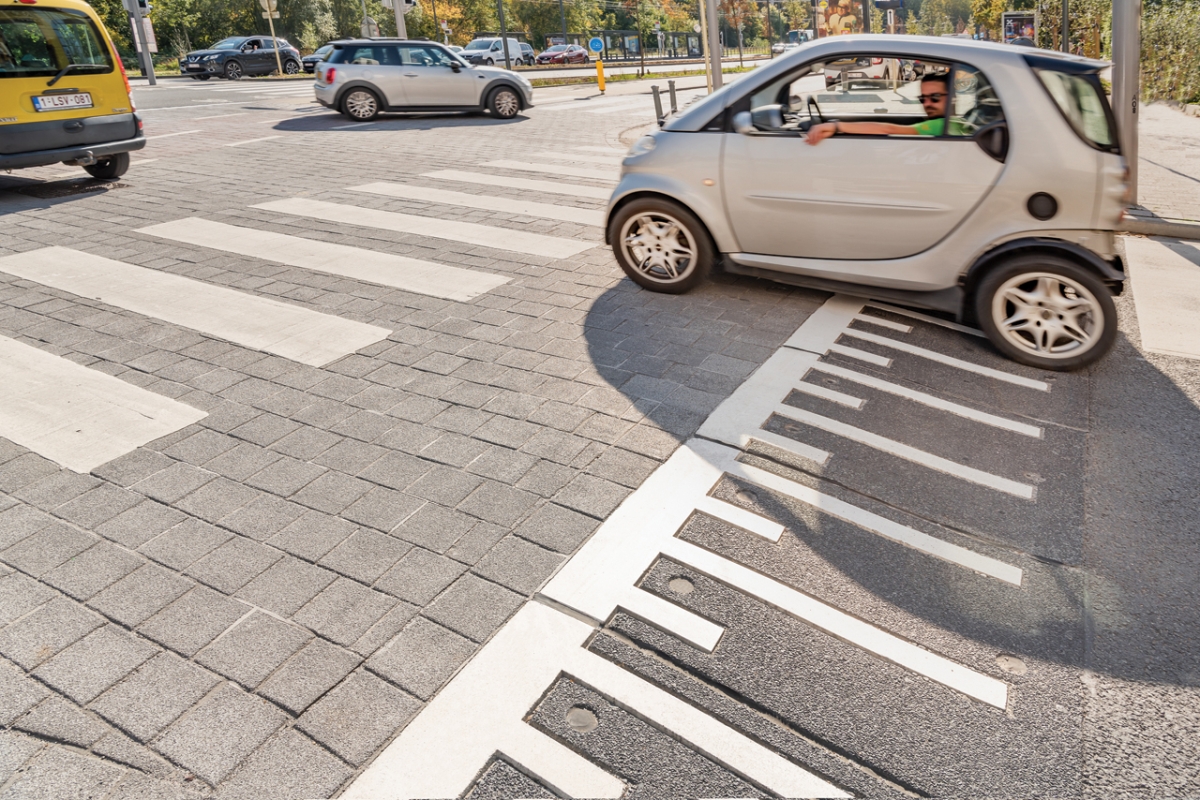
[978, 179]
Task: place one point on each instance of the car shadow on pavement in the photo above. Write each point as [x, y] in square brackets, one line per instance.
[397, 121]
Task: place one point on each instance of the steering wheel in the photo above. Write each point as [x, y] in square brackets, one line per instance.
[812, 106]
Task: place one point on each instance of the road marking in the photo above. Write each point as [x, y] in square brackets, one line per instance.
[386, 269]
[609, 175]
[469, 232]
[644, 103]
[954, 326]
[552, 187]
[883, 323]
[252, 141]
[300, 334]
[596, 149]
[404, 191]
[1165, 277]
[223, 116]
[611, 161]
[76, 416]
[861, 355]
[353, 125]
[932, 355]
[194, 105]
[165, 135]
[825, 393]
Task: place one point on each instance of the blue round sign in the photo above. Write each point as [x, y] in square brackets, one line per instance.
[596, 44]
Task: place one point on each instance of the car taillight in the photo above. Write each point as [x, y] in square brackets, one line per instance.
[876, 60]
[329, 74]
[124, 77]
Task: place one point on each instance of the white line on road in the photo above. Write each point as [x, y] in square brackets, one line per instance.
[552, 187]
[611, 161]
[386, 269]
[223, 116]
[300, 334]
[177, 133]
[954, 326]
[143, 111]
[904, 347]
[596, 149]
[609, 175]
[583, 216]
[514, 241]
[883, 323]
[76, 416]
[252, 141]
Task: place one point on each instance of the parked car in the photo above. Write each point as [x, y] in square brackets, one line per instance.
[563, 54]
[453, 48]
[363, 77]
[66, 98]
[310, 61]
[239, 56]
[865, 70]
[1002, 216]
[488, 52]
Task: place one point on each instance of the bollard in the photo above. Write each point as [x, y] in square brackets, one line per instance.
[600, 74]
[657, 104]
[671, 88]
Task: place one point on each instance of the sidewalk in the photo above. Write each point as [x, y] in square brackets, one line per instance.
[1168, 164]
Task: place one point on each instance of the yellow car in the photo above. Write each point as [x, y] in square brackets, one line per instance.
[64, 96]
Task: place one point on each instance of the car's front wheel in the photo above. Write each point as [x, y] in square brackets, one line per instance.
[490, 63]
[291, 67]
[661, 245]
[504, 103]
[361, 105]
[1046, 312]
[109, 168]
[233, 71]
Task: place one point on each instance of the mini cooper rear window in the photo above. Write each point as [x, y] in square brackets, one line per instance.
[28, 37]
[1081, 100]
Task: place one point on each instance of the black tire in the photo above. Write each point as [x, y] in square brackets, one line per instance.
[233, 71]
[504, 102]
[490, 63]
[291, 67]
[1046, 311]
[202, 77]
[657, 221]
[112, 167]
[361, 105]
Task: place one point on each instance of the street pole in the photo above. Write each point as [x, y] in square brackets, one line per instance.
[270, 6]
[714, 40]
[1126, 80]
[562, 12]
[504, 35]
[1066, 27]
[703, 31]
[399, 8]
[139, 41]
[435, 22]
[770, 30]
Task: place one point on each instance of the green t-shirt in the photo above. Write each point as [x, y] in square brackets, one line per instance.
[936, 127]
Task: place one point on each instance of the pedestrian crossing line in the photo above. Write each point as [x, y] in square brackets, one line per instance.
[300, 334]
[385, 269]
[514, 241]
[223, 116]
[403, 191]
[932, 355]
[945, 323]
[609, 175]
[177, 133]
[551, 187]
[611, 161]
[825, 393]
[739, 517]
[883, 323]
[75, 416]
[860, 355]
[252, 141]
[587, 148]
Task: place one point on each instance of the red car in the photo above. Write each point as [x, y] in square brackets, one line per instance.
[564, 54]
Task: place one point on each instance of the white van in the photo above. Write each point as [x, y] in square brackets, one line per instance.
[489, 52]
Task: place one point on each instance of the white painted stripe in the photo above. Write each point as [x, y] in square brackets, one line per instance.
[806, 451]
[883, 323]
[300, 334]
[761, 526]
[404, 191]
[908, 453]
[932, 355]
[831, 395]
[553, 187]
[611, 161]
[351, 125]
[644, 104]
[409, 274]
[166, 135]
[609, 175]
[252, 141]
[138, 161]
[823, 327]
[223, 116]
[76, 416]
[954, 326]
[861, 355]
[593, 149]
[687, 625]
[469, 232]
[842, 625]
[195, 104]
[929, 400]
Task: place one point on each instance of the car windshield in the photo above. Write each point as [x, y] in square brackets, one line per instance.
[38, 42]
[227, 44]
[558, 48]
[480, 44]
[324, 51]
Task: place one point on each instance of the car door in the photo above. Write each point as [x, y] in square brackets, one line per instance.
[381, 66]
[430, 78]
[853, 197]
[252, 57]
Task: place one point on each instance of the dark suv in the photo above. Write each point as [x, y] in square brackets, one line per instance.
[241, 55]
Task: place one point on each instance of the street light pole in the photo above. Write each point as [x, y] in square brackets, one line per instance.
[702, 29]
[562, 12]
[1066, 26]
[714, 41]
[1126, 80]
[503, 35]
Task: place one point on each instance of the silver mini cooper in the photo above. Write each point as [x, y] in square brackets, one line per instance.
[978, 179]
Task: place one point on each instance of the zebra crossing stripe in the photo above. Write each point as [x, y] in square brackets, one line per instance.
[613, 151]
[472, 233]
[551, 187]
[610, 161]
[609, 175]
[300, 334]
[404, 191]
[386, 269]
[78, 417]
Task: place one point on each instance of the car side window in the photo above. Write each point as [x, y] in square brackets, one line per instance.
[423, 56]
[252, 44]
[975, 102]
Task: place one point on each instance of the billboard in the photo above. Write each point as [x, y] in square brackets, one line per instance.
[1019, 25]
[839, 17]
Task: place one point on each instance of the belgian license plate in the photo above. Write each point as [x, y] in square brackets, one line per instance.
[58, 102]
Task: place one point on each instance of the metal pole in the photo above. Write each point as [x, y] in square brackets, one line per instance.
[435, 21]
[1126, 78]
[770, 30]
[866, 16]
[274, 44]
[641, 44]
[714, 41]
[1066, 26]
[658, 112]
[704, 45]
[562, 12]
[671, 86]
[139, 41]
[401, 26]
[504, 35]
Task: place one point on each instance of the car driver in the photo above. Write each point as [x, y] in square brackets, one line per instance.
[935, 92]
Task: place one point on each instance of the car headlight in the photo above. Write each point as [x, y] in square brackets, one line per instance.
[210, 58]
[643, 145]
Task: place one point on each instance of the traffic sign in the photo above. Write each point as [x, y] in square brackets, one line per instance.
[270, 15]
[268, 5]
[596, 44]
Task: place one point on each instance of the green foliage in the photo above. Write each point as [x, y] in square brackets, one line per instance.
[940, 16]
[1170, 48]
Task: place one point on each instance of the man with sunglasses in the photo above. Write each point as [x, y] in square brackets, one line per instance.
[935, 92]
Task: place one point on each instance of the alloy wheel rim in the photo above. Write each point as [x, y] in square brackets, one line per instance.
[1047, 315]
[361, 105]
[659, 246]
[290, 68]
[234, 70]
[506, 104]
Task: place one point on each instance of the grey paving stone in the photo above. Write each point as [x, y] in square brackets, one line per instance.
[157, 693]
[344, 611]
[242, 461]
[474, 544]
[265, 429]
[365, 426]
[649, 441]
[306, 443]
[454, 450]
[97, 506]
[286, 586]
[502, 464]
[286, 476]
[593, 496]
[623, 467]
[420, 576]
[309, 674]
[288, 767]
[546, 478]
[562, 416]
[557, 528]
[506, 431]
[603, 428]
[140, 594]
[365, 556]
[434, 527]
[396, 470]
[408, 437]
[173, 483]
[358, 717]
[382, 509]
[350, 456]
[519, 565]
[473, 607]
[422, 657]
[63, 774]
[234, 564]
[18, 693]
[382, 632]
[217, 499]
[24, 470]
[15, 750]
[263, 517]
[56, 489]
[444, 485]
[116, 746]
[61, 721]
[139, 786]
[52, 627]
[187, 542]
[218, 734]
[20, 521]
[43, 551]
[201, 447]
[331, 492]
[253, 649]
[94, 663]
[555, 445]
[192, 621]
[313, 535]
[495, 502]
[140, 524]
[20, 594]
[92, 570]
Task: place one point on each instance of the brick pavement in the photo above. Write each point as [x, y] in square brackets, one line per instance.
[1169, 163]
[255, 605]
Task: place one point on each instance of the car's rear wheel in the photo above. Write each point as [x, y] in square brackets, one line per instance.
[291, 67]
[361, 105]
[233, 71]
[504, 103]
[1046, 312]
[661, 245]
[109, 168]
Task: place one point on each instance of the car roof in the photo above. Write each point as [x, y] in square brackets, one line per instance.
[383, 40]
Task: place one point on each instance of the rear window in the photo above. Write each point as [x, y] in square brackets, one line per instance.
[1081, 100]
[367, 55]
[36, 42]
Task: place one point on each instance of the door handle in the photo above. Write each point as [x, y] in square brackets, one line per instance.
[410, 74]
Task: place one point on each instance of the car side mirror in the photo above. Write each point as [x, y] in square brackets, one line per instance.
[742, 123]
[454, 65]
[993, 139]
[763, 118]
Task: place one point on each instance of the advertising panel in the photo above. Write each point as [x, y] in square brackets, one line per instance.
[1019, 25]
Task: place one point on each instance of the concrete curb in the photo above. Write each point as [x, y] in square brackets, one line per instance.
[1159, 227]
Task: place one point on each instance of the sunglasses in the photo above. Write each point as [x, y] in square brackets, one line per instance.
[931, 98]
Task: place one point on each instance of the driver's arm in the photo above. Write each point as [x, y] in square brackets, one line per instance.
[818, 133]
